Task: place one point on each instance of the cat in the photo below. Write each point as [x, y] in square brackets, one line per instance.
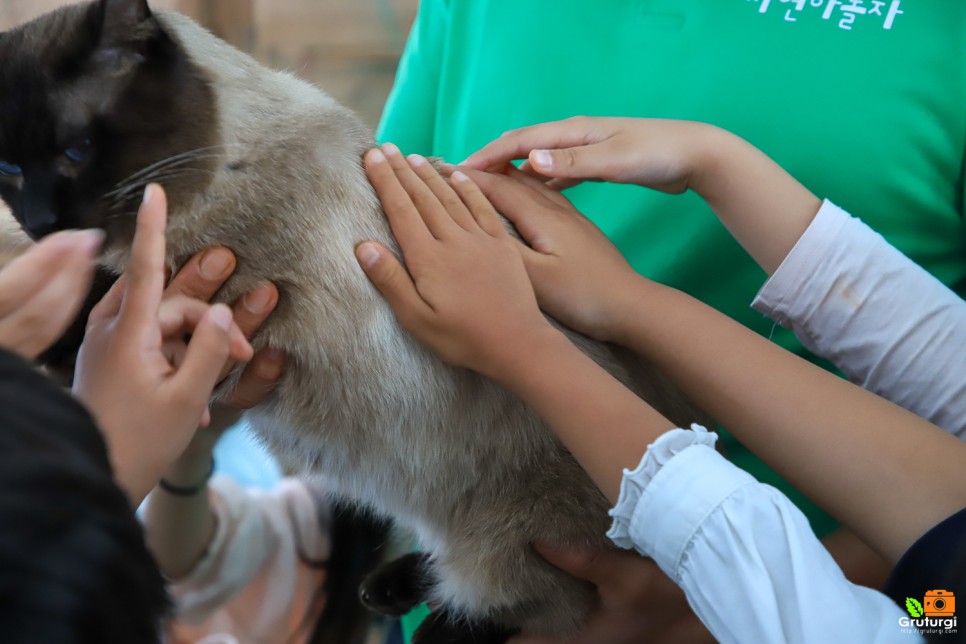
[100, 98]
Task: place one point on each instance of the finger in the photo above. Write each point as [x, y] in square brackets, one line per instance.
[554, 184]
[203, 275]
[254, 307]
[110, 304]
[27, 273]
[434, 215]
[405, 221]
[207, 351]
[596, 565]
[47, 313]
[583, 162]
[545, 188]
[145, 271]
[180, 315]
[479, 206]
[528, 170]
[391, 279]
[445, 193]
[259, 379]
[517, 144]
[519, 203]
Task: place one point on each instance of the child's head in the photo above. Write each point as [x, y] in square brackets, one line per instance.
[73, 563]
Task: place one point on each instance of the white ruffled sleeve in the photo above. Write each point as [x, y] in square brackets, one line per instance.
[632, 485]
[744, 555]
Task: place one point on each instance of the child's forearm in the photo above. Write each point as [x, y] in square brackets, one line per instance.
[179, 529]
[759, 203]
[882, 471]
[604, 425]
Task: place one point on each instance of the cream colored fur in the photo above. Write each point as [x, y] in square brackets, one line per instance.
[447, 454]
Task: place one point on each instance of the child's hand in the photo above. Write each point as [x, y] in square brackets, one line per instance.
[200, 278]
[147, 394]
[656, 153]
[42, 290]
[466, 294]
[580, 278]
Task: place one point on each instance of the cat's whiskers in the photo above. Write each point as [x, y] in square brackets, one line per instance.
[187, 155]
[119, 201]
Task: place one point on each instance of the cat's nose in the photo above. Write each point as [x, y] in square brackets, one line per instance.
[40, 223]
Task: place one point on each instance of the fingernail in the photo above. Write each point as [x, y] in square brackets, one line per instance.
[541, 158]
[256, 301]
[416, 159]
[214, 264]
[149, 191]
[459, 176]
[368, 255]
[90, 240]
[221, 316]
[391, 150]
[376, 156]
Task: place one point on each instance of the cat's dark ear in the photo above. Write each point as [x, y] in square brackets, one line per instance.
[123, 22]
[124, 28]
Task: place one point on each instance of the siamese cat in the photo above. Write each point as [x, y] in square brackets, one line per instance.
[99, 99]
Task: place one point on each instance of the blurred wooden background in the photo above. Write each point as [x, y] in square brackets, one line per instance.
[349, 48]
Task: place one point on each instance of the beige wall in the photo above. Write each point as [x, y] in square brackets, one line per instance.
[349, 48]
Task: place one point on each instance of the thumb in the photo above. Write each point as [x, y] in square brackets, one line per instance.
[391, 279]
[207, 352]
[596, 565]
[583, 162]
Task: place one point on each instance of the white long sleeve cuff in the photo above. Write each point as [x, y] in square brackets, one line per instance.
[745, 556]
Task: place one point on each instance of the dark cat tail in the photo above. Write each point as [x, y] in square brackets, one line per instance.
[358, 542]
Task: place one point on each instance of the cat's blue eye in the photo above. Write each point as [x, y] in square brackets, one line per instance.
[10, 169]
[79, 153]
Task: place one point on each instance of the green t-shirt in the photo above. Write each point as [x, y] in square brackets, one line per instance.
[865, 107]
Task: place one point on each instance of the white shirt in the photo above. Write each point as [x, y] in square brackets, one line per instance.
[256, 583]
[745, 556]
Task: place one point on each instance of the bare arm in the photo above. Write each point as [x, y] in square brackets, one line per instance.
[179, 528]
[824, 434]
[499, 331]
[761, 205]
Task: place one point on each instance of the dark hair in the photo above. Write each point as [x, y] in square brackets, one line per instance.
[74, 567]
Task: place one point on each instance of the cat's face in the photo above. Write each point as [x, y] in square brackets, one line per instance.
[97, 100]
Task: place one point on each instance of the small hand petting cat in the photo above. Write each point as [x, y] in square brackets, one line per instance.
[472, 293]
[476, 295]
[146, 384]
